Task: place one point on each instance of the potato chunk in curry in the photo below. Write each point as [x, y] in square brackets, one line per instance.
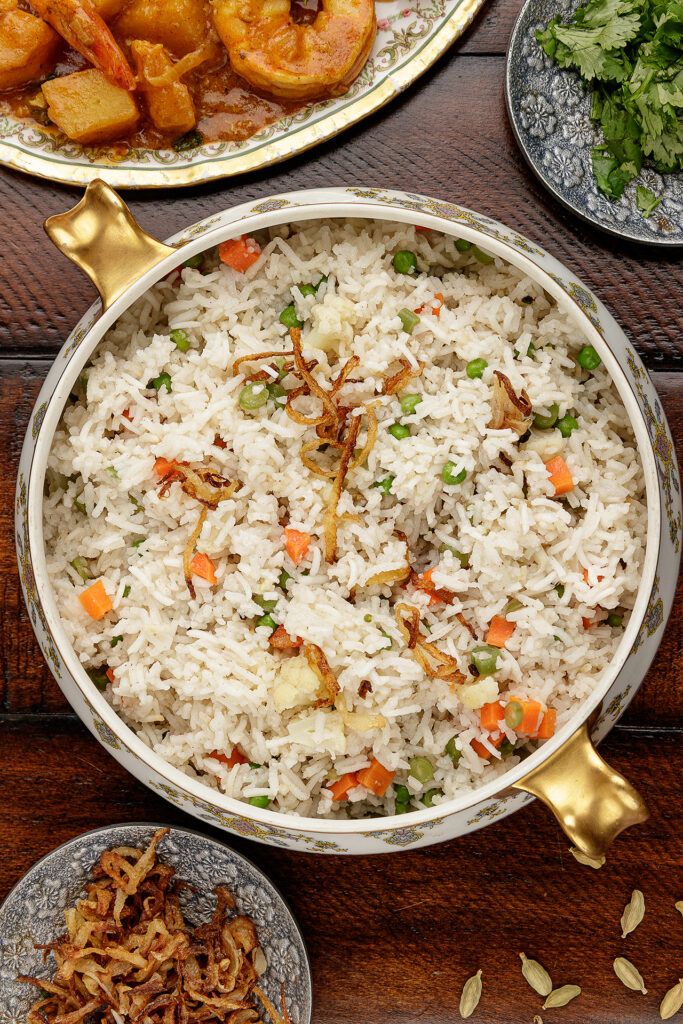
[28, 48]
[89, 108]
[179, 25]
[170, 106]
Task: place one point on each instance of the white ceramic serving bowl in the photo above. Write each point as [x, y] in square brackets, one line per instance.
[591, 801]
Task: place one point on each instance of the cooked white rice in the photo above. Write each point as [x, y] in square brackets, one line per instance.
[195, 677]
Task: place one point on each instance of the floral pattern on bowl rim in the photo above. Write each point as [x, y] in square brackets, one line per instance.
[639, 644]
[410, 38]
[34, 910]
[549, 110]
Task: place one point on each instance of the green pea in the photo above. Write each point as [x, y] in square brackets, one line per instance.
[566, 425]
[137, 543]
[289, 318]
[112, 470]
[409, 404]
[100, 678]
[615, 620]
[475, 368]
[422, 769]
[82, 568]
[308, 289]
[513, 605]
[367, 617]
[283, 578]
[384, 485]
[262, 602]
[531, 350]
[452, 751]
[402, 809]
[559, 590]
[115, 640]
[253, 396]
[277, 393]
[480, 256]
[514, 713]
[126, 590]
[399, 431]
[401, 794]
[405, 262]
[409, 320]
[485, 660]
[451, 478]
[588, 358]
[180, 339]
[80, 505]
[547, 422]
[506, 748]
[428, 798]
[194, 262]
[267, 620]
[253, 764]
[259, 801]
[462, 245]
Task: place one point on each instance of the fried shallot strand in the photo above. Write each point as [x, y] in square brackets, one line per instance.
[255, 357]
[330, 517]
[434, 662]
[397, 380]
[189, 552]
[329, 687]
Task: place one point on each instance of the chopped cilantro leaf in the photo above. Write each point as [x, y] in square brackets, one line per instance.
[646, 201]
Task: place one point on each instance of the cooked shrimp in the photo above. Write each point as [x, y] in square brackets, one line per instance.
[297, 61]
[78, 22]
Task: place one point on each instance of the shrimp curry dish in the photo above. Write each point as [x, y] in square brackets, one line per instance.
[175, 73]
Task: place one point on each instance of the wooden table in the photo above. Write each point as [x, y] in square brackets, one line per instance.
[391, 938]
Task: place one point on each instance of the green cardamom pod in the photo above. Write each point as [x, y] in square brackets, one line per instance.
[634, 912]
[561, 996]
[629, 975]
[536, 976]
[471, 994]
[672, 1001]
[583, 858]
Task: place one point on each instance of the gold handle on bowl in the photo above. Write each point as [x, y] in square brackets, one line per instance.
[592, 802]
[103, 238]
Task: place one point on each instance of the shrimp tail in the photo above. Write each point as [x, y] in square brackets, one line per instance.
[79, 24]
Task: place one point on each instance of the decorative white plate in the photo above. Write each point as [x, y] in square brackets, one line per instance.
[34, 910]
[411, 36]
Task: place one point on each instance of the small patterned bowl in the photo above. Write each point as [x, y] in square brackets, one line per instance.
[591, 802]
[34, 910]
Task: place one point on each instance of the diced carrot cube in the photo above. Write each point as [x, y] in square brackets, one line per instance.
[202, 566]
[96, 601]
[282, 641]
[376, 777]
[490, 715]
[500, 631]
[297, 544]
[341, 787]
[559, 475]
[547, 727]
[239, 253]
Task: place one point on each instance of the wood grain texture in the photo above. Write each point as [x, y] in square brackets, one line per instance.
[392, 939]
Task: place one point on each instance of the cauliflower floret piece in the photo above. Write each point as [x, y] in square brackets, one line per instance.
[545, 443]
[475, 695]
[296, 685]
[304, 730]
[332, 323]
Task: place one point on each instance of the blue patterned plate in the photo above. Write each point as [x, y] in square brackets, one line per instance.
[549, 112]
[34, 910]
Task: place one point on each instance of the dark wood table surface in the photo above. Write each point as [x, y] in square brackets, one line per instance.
[391, 938]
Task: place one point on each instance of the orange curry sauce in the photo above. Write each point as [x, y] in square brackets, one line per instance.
[227, 107]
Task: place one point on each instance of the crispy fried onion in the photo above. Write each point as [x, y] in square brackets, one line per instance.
[207, 51]
[434, 663]
[189, 552]
[203, 484]
[330, 518]
[254, 357]
[390, 576]
[509, 411]
[398, 380]
[329, 687]
[128, 953]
